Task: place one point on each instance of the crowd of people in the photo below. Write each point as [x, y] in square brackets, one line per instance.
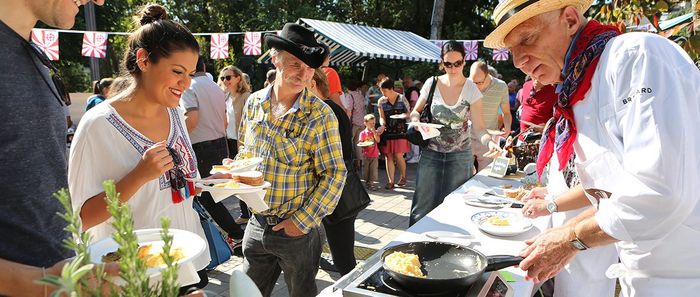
[622, 171]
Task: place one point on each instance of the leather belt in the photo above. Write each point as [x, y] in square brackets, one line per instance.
[268, 220]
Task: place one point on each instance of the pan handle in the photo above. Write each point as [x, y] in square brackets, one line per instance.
[498, 262]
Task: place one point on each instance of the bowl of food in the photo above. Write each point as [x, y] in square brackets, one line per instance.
[186, 246]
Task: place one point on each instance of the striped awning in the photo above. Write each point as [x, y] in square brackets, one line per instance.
[355, 44]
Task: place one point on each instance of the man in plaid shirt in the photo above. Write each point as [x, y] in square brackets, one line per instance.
[297, 135]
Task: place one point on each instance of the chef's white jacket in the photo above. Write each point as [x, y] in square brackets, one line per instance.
[584, 276]
[639, 139]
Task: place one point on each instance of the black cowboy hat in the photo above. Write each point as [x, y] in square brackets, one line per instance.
[300, 42]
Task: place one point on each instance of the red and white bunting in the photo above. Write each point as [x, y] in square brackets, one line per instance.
[47, 40]
[95, 44]
[219, 46]
[471, 48]
[252, 45]
[500, 54]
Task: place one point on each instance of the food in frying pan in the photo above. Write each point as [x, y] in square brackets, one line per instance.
[404, 263]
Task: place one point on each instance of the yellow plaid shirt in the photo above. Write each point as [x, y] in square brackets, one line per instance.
[303, 156]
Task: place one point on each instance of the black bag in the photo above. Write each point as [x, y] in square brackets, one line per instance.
[412, 134]
[353, 199]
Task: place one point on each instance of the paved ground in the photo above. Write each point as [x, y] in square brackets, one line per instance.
[382, 221]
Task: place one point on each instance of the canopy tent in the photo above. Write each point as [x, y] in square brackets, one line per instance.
[354, 45]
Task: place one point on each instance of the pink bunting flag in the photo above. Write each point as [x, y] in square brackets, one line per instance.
[219, 46]
[47, 40]
[252, 45]
[471, 48]
[501, 54]
[95, 44]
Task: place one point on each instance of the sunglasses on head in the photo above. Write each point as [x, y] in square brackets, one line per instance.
[177, 177]
[226, 77]
[455, 64]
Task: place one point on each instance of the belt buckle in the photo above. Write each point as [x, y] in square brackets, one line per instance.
[271, 220]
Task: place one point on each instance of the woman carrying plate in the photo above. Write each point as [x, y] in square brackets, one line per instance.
[138, 138]
[393, 111]
[446, 162]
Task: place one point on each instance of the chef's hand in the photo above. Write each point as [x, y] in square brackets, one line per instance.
[289, 228]
[547, 254]
[535, 208]
[536, 193]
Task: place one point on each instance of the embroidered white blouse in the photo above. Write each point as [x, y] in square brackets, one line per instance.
[106, 147]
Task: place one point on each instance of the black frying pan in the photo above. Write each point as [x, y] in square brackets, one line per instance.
[448, 267]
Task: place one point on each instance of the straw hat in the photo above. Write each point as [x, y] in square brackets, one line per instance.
[511, 13]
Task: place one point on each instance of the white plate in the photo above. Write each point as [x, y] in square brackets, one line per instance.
[191, 244]
[398, 116]
[431, 125]
[365, 144]
[447, 236]
[494, 132]
[252, 163]
[477, 203]
[242, 190]
[518, 224]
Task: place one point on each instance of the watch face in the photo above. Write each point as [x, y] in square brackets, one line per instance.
[551, 207]
[578, 245]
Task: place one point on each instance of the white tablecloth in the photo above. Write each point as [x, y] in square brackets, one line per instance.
[455, 216]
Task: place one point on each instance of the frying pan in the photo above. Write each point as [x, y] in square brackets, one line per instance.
[448, 267]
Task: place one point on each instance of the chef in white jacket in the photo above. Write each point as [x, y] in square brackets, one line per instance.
[629, 107]
[563, 199]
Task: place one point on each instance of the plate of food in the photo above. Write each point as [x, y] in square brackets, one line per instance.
[400, 116]
[501, 223]
[224, 188]
[229, 165]
[518, 193]
[494, 132]
[186, 246]
[365, 143]
[421, 124]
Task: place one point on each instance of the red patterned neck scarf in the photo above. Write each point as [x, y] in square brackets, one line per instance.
[560, 132]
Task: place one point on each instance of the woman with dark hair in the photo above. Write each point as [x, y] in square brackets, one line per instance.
[340, 235]
[393, 111]
[446, 163]
[138, 138]
[100, 88]
[232, 81]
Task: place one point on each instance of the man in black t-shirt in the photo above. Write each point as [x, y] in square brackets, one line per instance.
[32, 149]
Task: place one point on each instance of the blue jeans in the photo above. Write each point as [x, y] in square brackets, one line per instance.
[267, 253]
[438, 175]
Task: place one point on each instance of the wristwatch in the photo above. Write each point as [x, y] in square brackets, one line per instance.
[576, 242]
[552, 206]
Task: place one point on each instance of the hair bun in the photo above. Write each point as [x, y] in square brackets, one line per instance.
[151, 13]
